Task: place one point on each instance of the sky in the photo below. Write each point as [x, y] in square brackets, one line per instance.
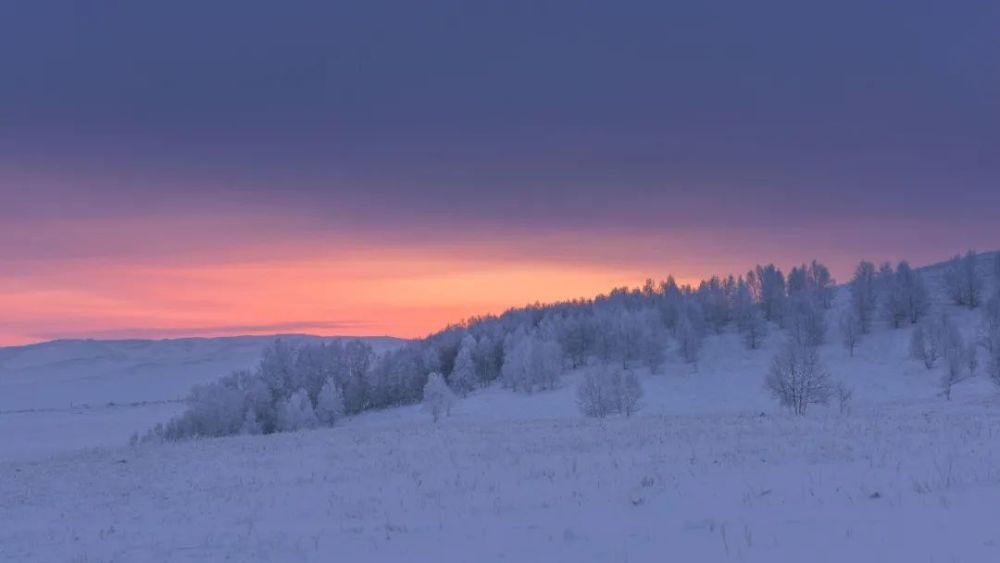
[190, 168]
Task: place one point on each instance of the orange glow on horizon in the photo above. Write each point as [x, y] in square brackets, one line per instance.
[382, 294]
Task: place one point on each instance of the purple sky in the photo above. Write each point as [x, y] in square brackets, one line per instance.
[607, 141]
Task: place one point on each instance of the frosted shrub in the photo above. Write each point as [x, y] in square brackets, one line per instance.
[438, 397]
[213, 410]
[292, 388]
[296, 413]
[797, 378]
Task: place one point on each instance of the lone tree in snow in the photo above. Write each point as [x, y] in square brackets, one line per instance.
[933, 338]
[438, 397]
[797, 378]
[955, 368]
[850, 330]
[463, 374]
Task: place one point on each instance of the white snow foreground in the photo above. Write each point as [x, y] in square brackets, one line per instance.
[895, 482]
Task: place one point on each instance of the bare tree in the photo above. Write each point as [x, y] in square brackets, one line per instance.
[797, 378]
[864, 295]
[933, 338]
[850, 330]
[845, 395]
[954, 369]
[630, 393]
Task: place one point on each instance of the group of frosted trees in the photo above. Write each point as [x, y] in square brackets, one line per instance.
[293, 387]
[936, 338]
[898, 295]
[527, 349]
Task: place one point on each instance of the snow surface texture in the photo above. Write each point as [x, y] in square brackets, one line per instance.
[710, 470]
[71, 394]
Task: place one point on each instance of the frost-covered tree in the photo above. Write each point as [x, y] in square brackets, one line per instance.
[438, 397]
[595, 395]
[251, 425]
[297, 413]
[850, 330]
[575, 335]
[821, 283]
[330, 403]
[463, 375]
[864, 295]
[905, 296]
[933, 339]
[963, 282]
[806, 320]
[797, 281]
[671, 303]
[277, 369]
[798, 379]
[955, 367]
[813, 281]
[213, 410]
[532, 364]
[768, 285]
[750, 320]
[689, 336]
[630, 393]
[604, 391]
[715, 303]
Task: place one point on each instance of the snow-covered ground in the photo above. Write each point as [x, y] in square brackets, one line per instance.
[711, 469]
[71, 394]
[914, 482]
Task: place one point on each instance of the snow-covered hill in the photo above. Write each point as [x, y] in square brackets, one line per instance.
[711, 469]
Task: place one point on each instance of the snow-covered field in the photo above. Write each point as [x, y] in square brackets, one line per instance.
[914, 482]
[711, 469]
